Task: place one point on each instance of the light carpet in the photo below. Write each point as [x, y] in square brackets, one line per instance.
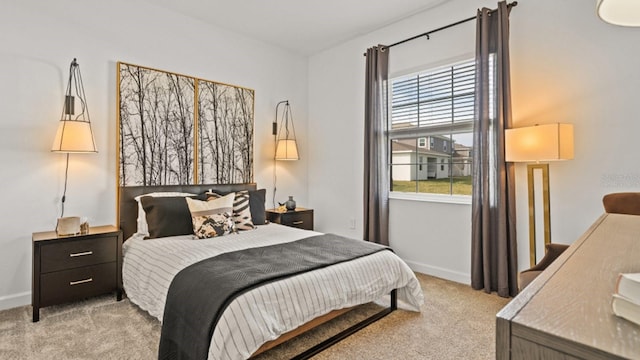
[455, 322]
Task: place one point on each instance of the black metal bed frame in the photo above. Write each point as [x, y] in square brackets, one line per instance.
[351, 330]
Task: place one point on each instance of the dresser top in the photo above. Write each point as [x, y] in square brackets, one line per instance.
[569, 309]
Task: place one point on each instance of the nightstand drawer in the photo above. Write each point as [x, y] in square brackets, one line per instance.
[62, 286]
[302, 220]
[77, 253]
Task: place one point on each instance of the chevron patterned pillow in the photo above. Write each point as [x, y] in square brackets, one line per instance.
[241, 209]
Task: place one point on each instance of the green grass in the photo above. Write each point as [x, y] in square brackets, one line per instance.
[461, 186]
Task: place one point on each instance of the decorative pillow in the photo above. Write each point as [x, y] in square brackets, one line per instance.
[241, 209]
[213, 217]
[166, 216]
[143, 227]
[256, 202]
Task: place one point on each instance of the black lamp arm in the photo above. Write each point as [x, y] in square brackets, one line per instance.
[274, 126]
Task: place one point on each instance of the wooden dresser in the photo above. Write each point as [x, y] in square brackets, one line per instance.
[565, 313]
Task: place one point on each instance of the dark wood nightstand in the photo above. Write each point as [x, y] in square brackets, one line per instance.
[69, 268]
[300, 218]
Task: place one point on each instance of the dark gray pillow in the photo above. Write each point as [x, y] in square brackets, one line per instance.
[167, 216]
[256, 203]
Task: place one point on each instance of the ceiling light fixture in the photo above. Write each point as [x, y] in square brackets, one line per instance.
[619, 12]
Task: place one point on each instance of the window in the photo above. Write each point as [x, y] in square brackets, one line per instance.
[437, 104]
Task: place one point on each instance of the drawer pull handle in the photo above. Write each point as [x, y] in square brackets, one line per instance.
[298, 222]
[80, 281]
[81, 254]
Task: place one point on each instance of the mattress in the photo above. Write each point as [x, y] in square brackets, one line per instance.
[266, 312]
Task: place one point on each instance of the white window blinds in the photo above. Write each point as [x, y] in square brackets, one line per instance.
[433, 103]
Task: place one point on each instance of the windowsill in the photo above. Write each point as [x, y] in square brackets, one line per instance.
[437, 198]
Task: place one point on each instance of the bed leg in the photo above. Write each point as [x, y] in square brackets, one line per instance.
[394, 300]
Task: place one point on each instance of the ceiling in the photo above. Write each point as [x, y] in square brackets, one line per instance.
[303, 26]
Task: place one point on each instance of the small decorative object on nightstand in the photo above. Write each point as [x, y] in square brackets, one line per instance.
[290, 204]
[299, 218]
[69, 268]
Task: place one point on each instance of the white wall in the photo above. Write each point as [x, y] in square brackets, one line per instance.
[567, 66]
[40, 38]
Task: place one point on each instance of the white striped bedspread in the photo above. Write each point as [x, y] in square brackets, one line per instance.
[268, 311]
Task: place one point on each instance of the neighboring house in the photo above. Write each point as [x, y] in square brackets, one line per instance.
[433, 157]
[461, 160]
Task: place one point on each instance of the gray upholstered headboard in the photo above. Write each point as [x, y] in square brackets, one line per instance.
[128, 207]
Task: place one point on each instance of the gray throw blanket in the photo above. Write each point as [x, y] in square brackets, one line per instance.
[199, 293]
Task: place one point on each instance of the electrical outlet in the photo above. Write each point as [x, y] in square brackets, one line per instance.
[352, 223]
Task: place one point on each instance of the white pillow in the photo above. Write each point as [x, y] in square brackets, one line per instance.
[143, 227]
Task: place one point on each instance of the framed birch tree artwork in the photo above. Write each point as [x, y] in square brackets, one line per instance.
[177, 130]
[225, 127]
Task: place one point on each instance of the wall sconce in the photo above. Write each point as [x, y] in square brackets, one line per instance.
[533, 144]
[74, 133]
[619, 12]
[286, 147]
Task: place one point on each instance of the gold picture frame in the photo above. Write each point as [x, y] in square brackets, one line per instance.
[174, 129]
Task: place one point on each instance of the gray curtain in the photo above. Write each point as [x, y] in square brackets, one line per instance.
[376, 174]
[493, 254]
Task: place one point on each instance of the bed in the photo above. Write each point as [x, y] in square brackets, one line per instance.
[264, 316]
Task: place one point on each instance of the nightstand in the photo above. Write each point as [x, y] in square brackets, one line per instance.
[69, 268]
[300, 218]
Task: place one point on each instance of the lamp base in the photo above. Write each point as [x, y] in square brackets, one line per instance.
[546, 216]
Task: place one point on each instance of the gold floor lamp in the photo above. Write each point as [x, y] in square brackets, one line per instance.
[533, 145]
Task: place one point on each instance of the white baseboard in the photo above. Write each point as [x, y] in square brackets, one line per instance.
[15, 300]
[443, 273]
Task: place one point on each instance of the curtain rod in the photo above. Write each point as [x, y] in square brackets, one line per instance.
[513, 4]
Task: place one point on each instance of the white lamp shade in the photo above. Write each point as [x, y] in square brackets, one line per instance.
[287, 149]
[619, 12]
[539, 143]
[74, 137]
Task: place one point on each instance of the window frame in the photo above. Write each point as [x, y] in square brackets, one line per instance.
[448, 129]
